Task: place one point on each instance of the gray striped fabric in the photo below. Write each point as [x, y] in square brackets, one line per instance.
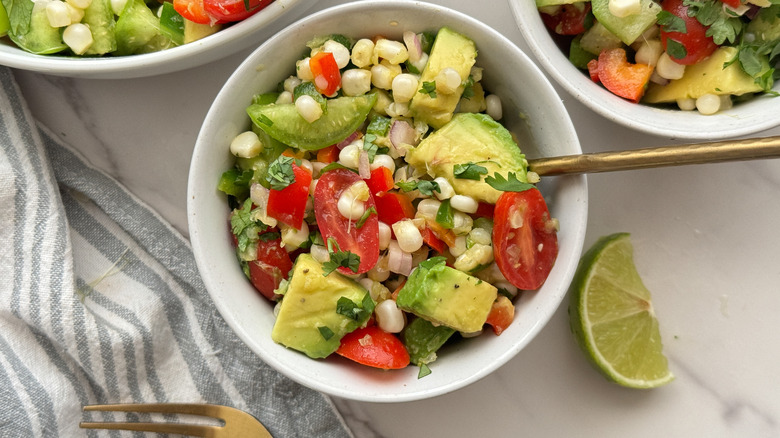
[101, 302]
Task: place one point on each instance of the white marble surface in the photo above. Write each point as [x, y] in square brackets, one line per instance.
[705, 238]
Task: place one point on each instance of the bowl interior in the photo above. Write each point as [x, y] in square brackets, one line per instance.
[534, 113]
[230, 40]
[745, 118]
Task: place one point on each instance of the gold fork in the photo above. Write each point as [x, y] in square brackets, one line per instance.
[237, 423]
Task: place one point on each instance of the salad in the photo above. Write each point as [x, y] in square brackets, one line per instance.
[378, 202]
[116, 27]
[700, 55]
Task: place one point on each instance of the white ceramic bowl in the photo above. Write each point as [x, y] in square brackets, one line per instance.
[743, 119]
[239, 36]
[527, 96]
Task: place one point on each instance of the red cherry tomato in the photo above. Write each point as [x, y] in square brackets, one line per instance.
[733, 3]
[272, 265]
[501, 314]
[233, 10]
[289, 204]
[364, 241]
[697, 45]
[374, 347]
[621, 77]
[328, 154]
[327, 78]
[525, 243]
[193, 10]
[569, 20]
[484, 210]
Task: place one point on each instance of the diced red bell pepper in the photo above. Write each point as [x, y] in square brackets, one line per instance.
[593, 70]
[430, 238]
[289, 204]
[501, 314]
[327, 78]
[381, 180]
[374, 347]
[328, 154]
[621, 77]
[392, 207]
[733, 3]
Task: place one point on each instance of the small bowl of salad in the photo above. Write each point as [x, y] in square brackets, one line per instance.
[674, 68]
[120, 39]
[360, 206]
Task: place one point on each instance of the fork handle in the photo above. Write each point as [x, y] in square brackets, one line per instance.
[696, 153]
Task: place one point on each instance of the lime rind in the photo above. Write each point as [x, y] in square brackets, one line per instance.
[612, 317]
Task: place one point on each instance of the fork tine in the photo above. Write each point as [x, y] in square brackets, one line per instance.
[181, 429]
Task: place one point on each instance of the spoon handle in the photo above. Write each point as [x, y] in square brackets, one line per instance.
[697, 153]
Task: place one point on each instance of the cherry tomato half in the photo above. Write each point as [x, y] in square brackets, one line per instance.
[697, 45]
[364, 241]
[233, 10]
[525, 243]
[374, 347]
[272, 265]
[569, 20]
[192, 10]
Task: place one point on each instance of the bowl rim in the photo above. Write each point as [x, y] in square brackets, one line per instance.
[211, 48]
[577, 186]
[660, 122]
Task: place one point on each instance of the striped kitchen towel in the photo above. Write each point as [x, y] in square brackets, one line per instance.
[101, 302]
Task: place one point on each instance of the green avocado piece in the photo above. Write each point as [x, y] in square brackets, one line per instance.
[453, 50]
[284, 123]
[308, 319]
[423, 339]
[628, 28]
[446, 296]
[39, 37]
[469, 138]
[707, 77]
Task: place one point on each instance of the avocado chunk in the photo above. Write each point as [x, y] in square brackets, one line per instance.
[446, 296]
[423, 339]
[469, 138]
[284, 123]
[313, 316]
[628, 28]
[453, 50]
[706, 77]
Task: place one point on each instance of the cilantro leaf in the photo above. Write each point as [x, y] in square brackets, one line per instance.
[371, 148]
[468, 88]
[339, 259]
[675, 49]
[235, 182]
[510, 183]
[244, 227]
[379, 126]
[424, 186]
[326, 332]
[671, 22]
[280, 173]
[355, 311]
[359, 224]
[429, 88]
[469, 171]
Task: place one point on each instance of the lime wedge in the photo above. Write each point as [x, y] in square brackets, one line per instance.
[612, 318]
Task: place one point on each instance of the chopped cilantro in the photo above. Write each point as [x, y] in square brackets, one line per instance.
[235, 182]
[356, 311]
[510, 183]
[429, 88]
[469, 171]
[339, 259]
[424, 186]
[468, 87]
[280, 173]
[325, 332]
[722, 27]
[359, 224]
[267, 237]
[371, 148]
[671, 22]
[675, 49]
[243, 226]
[379, 126]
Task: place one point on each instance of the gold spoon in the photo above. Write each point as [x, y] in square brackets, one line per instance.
[696, 153]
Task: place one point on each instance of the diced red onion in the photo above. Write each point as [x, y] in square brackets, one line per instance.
[364, 167]
[398, 261]
[259, 195]
[352, 137]
[413, 46]
[401, 132]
